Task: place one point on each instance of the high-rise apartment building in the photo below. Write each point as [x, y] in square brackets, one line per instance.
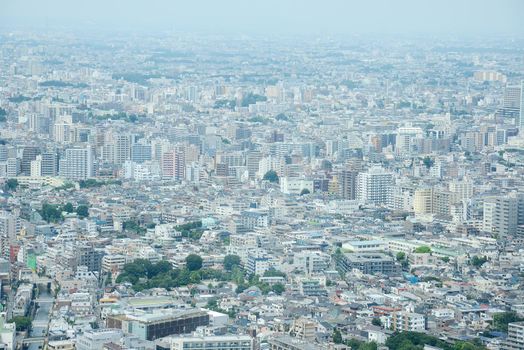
[174, 164]
[347, 181]
[122, 148]
[36, 167]
[502, 215]
[521, 113]
[511, 103]
[375, 185]
[515, 339]
[49, 165]
[77, 164]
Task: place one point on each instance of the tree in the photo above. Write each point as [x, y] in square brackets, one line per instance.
[376, 322]
[278, 288]
[428, 162]
[368, 346]
[231, 261]
[159, 268]
[68, 208]
[304, 191]
[82, 211]
[416, 340]
[271, 176]
[272, 272]
[423, 249]
[282, 116]
[3, 115]
[337, 337]
[133, 226]
[401, 256]
[478, 262]
[50, 212]
[501, 320]
[194, 262]
[11, 184]
[22, 323]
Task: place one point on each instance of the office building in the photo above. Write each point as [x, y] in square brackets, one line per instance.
[219, 342]
[28, 155]
[369, 263]
[140, 153]
[152, 326]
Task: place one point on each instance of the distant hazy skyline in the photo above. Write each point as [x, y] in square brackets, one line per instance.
[410, 17]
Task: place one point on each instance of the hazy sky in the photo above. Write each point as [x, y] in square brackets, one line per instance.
[468, 17]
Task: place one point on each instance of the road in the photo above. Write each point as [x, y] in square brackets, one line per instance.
[41, 320]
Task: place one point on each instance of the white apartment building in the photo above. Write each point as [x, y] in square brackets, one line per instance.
[96, 338]
[406, 321]
[293, 185]
[375, 185]
[77, 164]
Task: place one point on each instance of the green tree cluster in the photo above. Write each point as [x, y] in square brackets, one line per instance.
[501, 320]
[337, 336]
[282, 117]
[230, 261]
[478, 261]
[11, 185]
[194, 262]
[192, 230]
[213, 305]
[360, 345]
[272, 272]
[60, 83]
[53, 212]
[250, 99]
[133, 226]
[19, 98]
[254, 281]
[142, 274]
[230, 104]
[259, 119]
[424, 249]
[92, 183]
[417, 340]
[271, 176]
[130, 118]
[376, 322]
[22, 323]
[82, 211]
[428, 162]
